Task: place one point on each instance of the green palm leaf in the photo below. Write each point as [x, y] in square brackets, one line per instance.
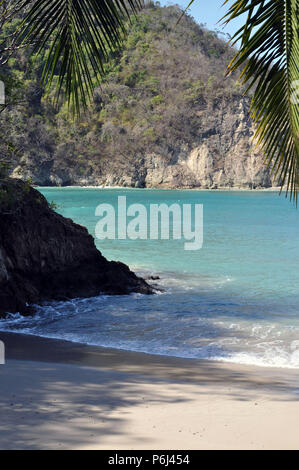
[79, 35]
[269, 53]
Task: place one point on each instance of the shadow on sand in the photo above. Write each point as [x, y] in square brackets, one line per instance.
[72, 385]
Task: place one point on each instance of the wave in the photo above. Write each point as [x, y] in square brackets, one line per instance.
[191, 318]
[194, 338]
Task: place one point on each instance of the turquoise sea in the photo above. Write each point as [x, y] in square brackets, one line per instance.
[236, 299]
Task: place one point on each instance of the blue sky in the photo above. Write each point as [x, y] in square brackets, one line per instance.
[207, 11]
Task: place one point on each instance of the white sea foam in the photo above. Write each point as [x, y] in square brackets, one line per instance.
[275, 353]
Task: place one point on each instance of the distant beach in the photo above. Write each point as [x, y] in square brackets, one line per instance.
[273, 188]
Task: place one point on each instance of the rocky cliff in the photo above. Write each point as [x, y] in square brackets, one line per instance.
[44, 256]
[165, 116]
[222, 156]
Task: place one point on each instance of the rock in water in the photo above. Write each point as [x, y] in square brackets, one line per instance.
[44, 256]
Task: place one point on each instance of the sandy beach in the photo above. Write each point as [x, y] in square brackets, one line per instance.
[61, 395]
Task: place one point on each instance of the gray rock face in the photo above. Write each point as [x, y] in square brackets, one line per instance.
[222, 156]
[44, 256]
[3, 271]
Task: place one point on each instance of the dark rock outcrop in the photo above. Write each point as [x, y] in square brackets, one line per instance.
[44, 256]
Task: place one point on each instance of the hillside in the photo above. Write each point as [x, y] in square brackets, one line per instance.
[165, 116]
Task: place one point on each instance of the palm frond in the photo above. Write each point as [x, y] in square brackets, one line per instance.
[79, 36]
[269, 55]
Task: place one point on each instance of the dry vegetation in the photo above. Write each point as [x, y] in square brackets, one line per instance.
[155, 96]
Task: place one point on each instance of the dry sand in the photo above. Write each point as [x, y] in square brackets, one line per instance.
[60, 395]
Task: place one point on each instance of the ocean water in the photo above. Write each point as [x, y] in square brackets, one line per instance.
[235, 300]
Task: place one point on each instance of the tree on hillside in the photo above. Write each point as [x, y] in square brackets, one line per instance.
[82, 34]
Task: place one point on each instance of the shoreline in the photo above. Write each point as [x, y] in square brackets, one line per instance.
[129, 188]
[61, 395]
[20, 346]
[38, 340]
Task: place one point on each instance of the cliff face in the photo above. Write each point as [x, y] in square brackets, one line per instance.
[165, 116]
[44, 256]
[221, 156]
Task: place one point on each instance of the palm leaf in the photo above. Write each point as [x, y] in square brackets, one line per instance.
[269, 55]
[79, 36]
